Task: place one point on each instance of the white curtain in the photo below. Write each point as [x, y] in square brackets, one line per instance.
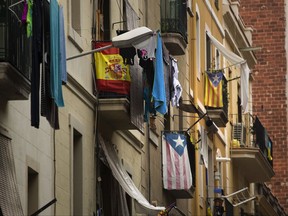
[119, 172]
[204, 147]
[131, 16]
[244, 78]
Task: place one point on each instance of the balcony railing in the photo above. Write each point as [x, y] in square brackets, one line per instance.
[15, 47]
[263, 141]
[252, 150]
[174, 25]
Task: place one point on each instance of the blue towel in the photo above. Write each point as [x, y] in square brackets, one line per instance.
[62, 47]
[55, 75]
[158, 91]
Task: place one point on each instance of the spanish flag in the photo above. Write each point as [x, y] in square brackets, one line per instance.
[112, 75]
[213, 89]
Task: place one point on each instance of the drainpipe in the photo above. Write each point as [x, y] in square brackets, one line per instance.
[147, 135]
[193, 77]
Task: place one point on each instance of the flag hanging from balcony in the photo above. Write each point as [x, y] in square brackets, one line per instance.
[213, 89]
[175, 160]
[112, 75]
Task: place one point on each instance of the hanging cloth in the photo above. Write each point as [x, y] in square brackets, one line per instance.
[48, 107]
[176, 88]
[24, 13]
[55, 75]
[158, 91]
[29, 18]
[245, 71]
[36, 61]
[63, 68]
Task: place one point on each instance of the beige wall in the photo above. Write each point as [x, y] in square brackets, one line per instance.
[31, 147]
[78, 114]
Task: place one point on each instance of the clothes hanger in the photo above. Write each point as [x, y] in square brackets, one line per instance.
[13, 5]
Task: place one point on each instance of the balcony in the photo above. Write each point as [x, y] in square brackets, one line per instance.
[253, 160]
[123, 112]
[174, 26]
[183, 194]
[115, 111]
[268, 203]
[15, 54]
[220, 115]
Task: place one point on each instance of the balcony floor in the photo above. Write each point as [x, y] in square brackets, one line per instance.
[252, 164]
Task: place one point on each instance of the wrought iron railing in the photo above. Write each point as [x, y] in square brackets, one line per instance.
[263, 141]
[15, 46]
[251, 133]
[174, 17]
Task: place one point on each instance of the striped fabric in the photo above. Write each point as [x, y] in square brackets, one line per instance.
[176, 167]
[213, 95]
[112, 75]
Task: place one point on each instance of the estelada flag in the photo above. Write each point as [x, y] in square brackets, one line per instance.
[175, 160]
[213, 89]
[112, 75]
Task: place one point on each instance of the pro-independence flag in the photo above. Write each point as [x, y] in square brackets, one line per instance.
[213, 89]
[112, 75]
[176, 167]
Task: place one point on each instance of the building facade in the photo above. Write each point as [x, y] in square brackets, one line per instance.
[134, 115]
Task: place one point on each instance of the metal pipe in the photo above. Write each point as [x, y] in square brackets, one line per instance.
[90, 52]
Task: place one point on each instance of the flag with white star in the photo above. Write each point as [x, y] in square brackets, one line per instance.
[213, 89]
[176, 166]
[215, 77]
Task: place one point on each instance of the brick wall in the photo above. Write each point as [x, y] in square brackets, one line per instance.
[267, 18]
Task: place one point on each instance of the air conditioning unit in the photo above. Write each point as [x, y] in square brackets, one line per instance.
[239, 133]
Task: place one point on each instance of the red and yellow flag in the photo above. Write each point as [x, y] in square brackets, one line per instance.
[112, 75]
[213, 95]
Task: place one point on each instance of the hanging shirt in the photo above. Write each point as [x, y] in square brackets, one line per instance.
[177, 88]
[147, 48]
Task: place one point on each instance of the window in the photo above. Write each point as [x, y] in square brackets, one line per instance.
[33, 189]
[75, 16]
[217, 59]
[10, 199]
[208, 54]
[103, 24]
[77, 173]
[210, 174]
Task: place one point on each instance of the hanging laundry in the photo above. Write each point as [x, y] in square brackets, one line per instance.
[127, 53]
[147, 48]
[167, 72]
[158, 91]
[29, 19]
[55, 80]
[48, 107]
[62, 51]
[176, 92]
[25, 12]
[36, 61]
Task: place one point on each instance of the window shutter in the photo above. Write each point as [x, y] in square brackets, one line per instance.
[10, 203]
[136, 96]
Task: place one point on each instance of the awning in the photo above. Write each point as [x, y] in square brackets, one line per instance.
[235, 59]
[120, 174]
[10, 203]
